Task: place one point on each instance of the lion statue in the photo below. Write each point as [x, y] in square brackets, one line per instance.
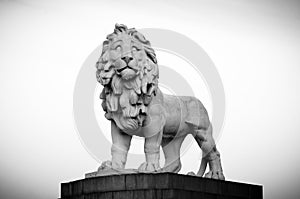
[133, 102]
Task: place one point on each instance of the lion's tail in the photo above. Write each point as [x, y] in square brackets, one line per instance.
[202, 167]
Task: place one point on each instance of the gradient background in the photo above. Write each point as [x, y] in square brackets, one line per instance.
[254, 45]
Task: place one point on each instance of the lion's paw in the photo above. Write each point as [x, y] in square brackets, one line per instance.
[108, 165]
[191, 173]
[105, 165]
[215, 175]
[149, 167]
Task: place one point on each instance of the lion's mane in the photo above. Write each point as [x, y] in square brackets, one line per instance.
[130, 99]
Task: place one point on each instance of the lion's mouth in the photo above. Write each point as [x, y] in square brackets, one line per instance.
[126, 67]
[127, 72]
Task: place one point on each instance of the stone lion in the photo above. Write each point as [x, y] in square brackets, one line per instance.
[128, 70]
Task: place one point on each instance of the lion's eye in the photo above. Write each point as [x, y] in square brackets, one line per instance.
[134, 48]
[118, 47]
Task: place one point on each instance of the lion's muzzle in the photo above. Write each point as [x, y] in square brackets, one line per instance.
[127, 72]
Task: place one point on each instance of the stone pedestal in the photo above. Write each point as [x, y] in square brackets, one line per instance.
[154, 186]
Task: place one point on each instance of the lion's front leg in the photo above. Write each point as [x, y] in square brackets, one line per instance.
[151, 149]
[120, 147]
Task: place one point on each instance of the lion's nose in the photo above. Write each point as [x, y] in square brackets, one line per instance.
[127, 59]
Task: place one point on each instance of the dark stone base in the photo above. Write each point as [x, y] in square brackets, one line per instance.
[161, 185]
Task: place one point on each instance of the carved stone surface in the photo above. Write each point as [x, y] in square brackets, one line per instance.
[128, 70]
[154, 186]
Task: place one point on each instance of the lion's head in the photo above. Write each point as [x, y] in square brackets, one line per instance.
[127, 68]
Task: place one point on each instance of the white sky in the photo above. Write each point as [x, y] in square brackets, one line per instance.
[254, 45]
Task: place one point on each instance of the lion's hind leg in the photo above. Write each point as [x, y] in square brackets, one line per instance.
[210, 154]
[171, 149]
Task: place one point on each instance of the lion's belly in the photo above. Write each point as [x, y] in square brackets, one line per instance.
[175, 115]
